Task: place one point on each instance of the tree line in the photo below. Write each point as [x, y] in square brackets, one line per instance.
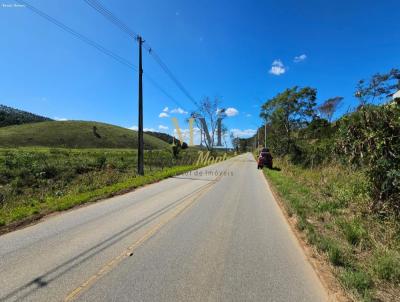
[366, 137]
[10, 116]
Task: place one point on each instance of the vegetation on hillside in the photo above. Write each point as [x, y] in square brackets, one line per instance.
[74, 134]
[164, 137]
[36, 181]
[365, 138]
[54, 165]
[331, 206]
[10, 116]
[341, 179]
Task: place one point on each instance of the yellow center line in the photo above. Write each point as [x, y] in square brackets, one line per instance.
[126, 253]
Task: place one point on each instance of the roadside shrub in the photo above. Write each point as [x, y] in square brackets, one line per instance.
[353, 231]
[5, 176]
[100, 161]
[357, 279]
[82, 168]
[370, 137]
[314, 144]
[50, 171]
[387, 266]
[336, 254]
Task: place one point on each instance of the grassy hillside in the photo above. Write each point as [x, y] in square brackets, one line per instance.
[74, 134]
[10, 116]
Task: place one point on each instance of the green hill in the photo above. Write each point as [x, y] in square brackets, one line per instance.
[74, 134]
[10, 116]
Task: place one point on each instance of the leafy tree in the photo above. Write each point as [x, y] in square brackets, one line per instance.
[379, 87]
[176, 148]
[235, 141]
[370, 138]
[244, 144]
[286, 113]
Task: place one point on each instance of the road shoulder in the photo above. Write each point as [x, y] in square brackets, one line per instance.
[316, 260]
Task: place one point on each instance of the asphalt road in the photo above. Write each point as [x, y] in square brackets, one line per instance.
[194, 237]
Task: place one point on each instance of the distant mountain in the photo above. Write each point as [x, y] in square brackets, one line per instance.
[10, 116]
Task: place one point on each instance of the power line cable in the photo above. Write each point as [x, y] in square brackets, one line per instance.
[168, 71]
[111, 17]
[78, 35]
[95, 45]
[96, 4]
[155, 84]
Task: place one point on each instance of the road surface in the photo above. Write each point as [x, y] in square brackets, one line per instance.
[194, 237]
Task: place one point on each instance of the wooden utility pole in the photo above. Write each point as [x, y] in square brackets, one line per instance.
[265, 134]
[140, 166]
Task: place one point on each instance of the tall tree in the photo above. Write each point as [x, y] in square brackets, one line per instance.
[379, 87]
[328, 108]
[235, 141]
[286, 112]
[209, 111]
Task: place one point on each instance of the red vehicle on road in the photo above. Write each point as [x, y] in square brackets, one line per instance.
[264, 159]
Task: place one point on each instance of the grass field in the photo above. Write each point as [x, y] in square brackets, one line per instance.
[331, 206]
[74, 134]
[37, 181]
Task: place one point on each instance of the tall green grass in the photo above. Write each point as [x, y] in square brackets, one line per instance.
[332, 207]
[37, 181]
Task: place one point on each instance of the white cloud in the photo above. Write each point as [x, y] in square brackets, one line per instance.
[163, 114]
[243, 133]
[300, 58]
[149, 129]
[60, 118]
[277, 68]
[231, 111]
[162, 127]
[133, 128]
[165, 109]
[179, 111]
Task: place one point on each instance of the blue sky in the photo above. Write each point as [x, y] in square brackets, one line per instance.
[215, 47]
